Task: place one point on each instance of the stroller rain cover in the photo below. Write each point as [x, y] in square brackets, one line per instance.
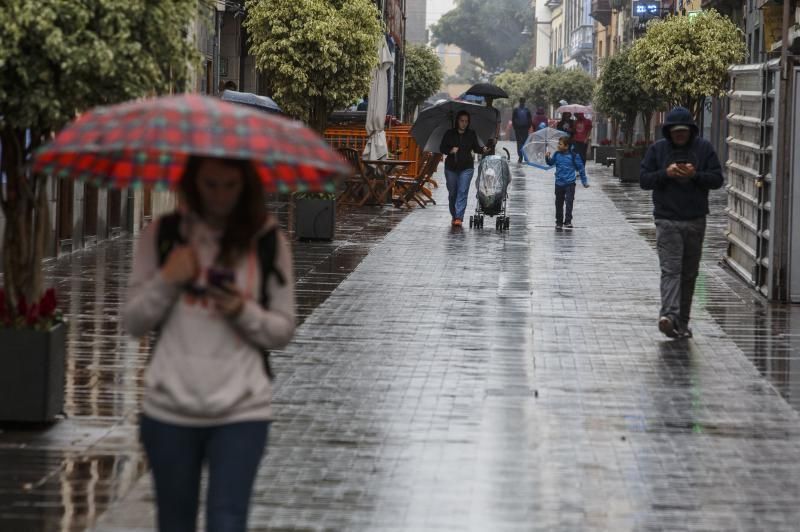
[493, 179]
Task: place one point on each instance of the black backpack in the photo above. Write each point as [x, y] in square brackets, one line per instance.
[169, 236]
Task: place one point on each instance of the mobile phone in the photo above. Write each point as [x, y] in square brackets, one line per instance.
[220, 277]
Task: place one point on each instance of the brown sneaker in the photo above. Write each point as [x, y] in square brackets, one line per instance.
[457, 222]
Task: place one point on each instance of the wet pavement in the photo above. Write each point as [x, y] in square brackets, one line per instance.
[63, 477]
[463, 380]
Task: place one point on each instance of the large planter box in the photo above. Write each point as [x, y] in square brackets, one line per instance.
[629, 168]
[602, 153]
[32, 374]
[315, 219]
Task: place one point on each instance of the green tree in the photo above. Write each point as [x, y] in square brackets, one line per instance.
[317, 54]
[514, 84]
[423, 76]
[536, 88]
[57, 58]
[469, 72]
[621, 96]
[491, 31]
[686, 59]
[573, 85]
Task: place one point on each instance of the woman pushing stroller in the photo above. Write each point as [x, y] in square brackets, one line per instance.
[457, 145]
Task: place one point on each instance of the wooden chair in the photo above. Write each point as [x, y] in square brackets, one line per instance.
[406, 189]
[358, 188]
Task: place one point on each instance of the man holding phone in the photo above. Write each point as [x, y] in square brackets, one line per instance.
[680, 169]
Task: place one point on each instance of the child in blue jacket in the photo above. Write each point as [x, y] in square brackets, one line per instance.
[567, 164]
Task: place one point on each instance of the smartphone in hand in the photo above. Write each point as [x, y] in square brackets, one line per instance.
[220, 277]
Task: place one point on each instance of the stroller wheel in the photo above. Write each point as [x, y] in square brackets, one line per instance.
[497, 223]
[471, 221]
[507, 222]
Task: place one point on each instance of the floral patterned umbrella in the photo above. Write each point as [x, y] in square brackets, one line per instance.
[149, 141]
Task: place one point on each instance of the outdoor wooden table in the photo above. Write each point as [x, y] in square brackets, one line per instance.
[386, 168]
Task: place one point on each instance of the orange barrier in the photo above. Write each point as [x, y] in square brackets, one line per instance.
[398, 138]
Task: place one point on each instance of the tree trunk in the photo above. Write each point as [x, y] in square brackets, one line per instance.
[615, 131]
[647, 120]
[318, 115]
[21, 260]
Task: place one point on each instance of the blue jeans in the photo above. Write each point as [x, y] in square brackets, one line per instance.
[176, 455]
[458, 189]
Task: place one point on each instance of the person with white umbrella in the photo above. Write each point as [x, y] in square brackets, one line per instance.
[457, 145]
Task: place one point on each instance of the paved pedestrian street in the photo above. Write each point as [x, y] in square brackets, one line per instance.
[462, 380]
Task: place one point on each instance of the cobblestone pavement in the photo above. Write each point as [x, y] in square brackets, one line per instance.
[476, 380]
[63, 477]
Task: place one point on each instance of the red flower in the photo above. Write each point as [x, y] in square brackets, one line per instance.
[32, 316]
[47, 306]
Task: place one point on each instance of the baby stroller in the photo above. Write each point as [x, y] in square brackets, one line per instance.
[494, 176]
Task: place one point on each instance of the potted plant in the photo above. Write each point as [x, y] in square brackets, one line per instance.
[314, 215]
[628, 164]
[620, 95]
[42, 87]
[33, 336]
[604, 151]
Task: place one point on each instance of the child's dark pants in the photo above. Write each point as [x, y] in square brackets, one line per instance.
[564, 194]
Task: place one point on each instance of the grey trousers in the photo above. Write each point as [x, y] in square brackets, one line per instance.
[680, 246]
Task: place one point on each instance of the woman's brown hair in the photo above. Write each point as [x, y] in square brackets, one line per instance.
[247, 217]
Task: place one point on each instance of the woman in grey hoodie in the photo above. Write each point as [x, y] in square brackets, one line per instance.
[207, 396]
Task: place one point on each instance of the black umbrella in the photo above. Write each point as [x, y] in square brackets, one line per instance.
[488, 90]
[263, 103]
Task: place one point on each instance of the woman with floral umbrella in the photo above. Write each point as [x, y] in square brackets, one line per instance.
[214, 279]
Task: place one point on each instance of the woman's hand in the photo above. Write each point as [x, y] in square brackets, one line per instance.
[181, 265]
[227, 299]
[454, 150]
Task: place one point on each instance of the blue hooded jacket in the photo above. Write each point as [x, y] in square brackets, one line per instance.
[680, 198]
[567, 163]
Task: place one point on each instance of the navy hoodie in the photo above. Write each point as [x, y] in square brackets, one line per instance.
[687, 198]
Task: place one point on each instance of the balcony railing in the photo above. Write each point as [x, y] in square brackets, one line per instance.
[601, 11]
[581, 41]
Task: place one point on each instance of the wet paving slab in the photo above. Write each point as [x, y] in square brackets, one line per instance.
[767, 332]
[63, 477]
[476, 380]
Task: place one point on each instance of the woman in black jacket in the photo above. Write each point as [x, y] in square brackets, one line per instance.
[458, 144]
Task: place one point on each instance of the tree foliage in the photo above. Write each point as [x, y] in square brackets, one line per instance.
[541, 88]
[423, 75]
[491, 31]
[686, 59]
[57, 58]
[574, 85]
[621, 96]
[317, 54]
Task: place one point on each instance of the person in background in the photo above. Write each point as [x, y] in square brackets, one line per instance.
[680, 169]
[581, 134]
[566, 124]
[539, 118]
[567, 164]
[498, 120]
[521, 120]
[457, 145]
[362, 106]
[207, 398]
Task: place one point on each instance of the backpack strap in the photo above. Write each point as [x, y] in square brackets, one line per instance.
[168, 236]
[267, 250]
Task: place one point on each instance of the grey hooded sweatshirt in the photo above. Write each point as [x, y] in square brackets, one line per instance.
[207, 369]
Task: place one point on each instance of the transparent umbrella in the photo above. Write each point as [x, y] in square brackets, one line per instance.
[540, 142]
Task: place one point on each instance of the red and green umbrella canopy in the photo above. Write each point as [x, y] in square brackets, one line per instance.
[149, 141]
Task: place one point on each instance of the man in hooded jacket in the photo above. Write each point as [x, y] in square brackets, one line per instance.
[680, 169]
